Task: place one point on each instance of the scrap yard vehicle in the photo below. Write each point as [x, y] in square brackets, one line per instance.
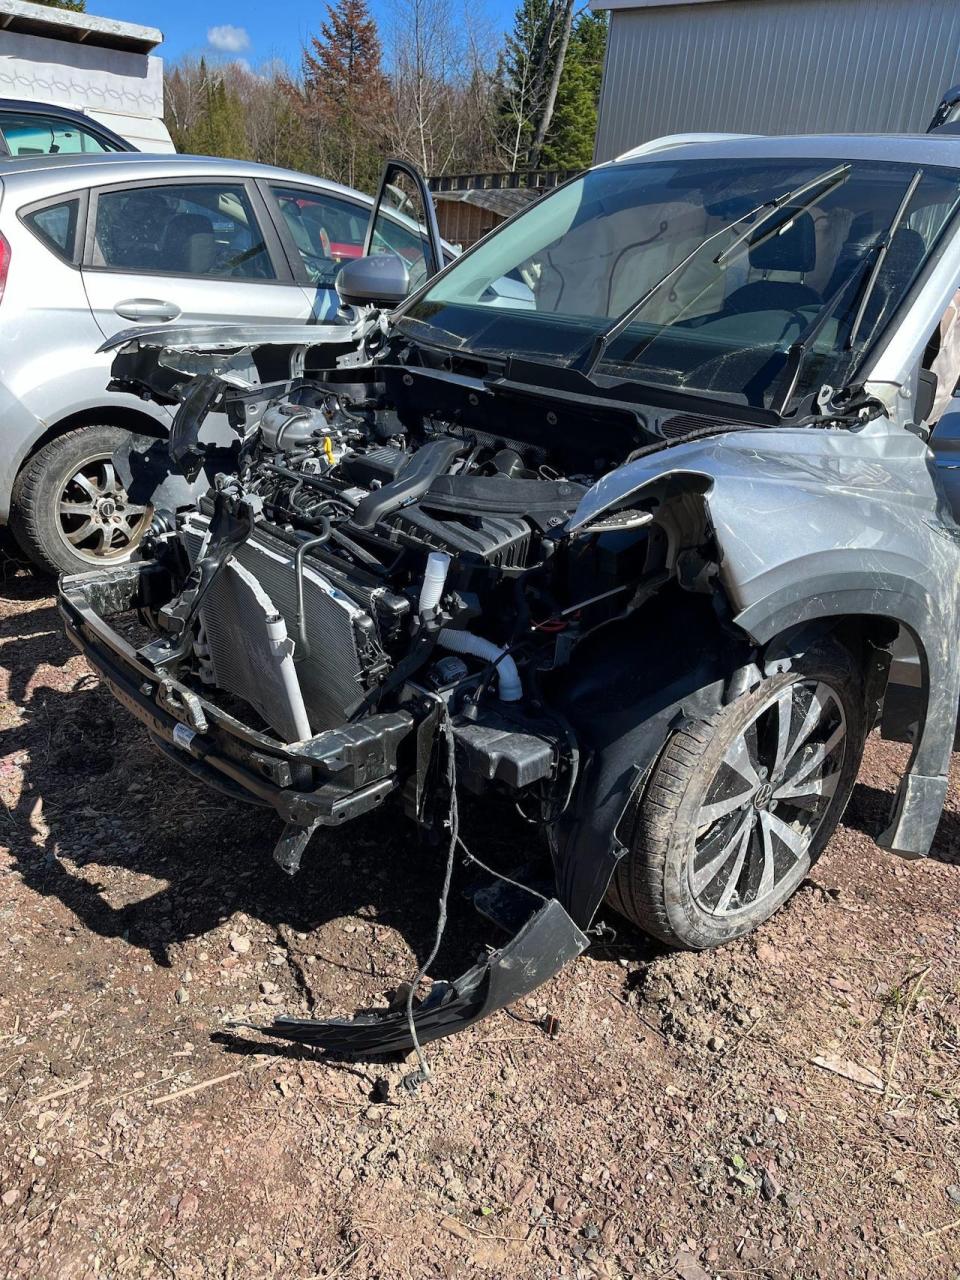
[98, 241]
[619, 517]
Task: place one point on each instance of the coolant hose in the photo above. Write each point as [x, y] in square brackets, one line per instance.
[438, 562]
[508, 677]
[302, 647]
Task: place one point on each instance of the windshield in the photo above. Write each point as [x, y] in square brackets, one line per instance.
[722, 270]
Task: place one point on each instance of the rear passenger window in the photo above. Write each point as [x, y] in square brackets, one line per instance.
[29, 134]
[56, 225]
[204, 229]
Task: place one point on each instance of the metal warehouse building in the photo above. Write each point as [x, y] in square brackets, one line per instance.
[773, 66]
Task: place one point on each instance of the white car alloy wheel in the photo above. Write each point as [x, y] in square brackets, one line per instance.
[95, 518]
[740, 804]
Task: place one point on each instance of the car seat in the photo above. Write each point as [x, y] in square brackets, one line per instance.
[188, 245]
[903, 259]
[792, 250]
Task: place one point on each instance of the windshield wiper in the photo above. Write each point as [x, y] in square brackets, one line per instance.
[433, 335]
[885, 244]
[832, 178]
[589, 356]
[876, 255]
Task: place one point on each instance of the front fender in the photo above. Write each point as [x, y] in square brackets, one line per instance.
[818, 524]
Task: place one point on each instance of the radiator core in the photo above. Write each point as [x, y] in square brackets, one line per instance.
[331, 679]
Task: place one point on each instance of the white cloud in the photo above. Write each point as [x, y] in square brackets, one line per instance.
[228, 39]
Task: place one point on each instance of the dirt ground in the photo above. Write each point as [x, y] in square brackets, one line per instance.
[785, 1107]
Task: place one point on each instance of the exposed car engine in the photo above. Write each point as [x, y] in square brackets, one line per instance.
[385, 557]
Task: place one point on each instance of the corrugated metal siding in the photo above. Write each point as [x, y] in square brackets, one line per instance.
[776, 66]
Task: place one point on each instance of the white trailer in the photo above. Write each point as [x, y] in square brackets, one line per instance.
[104, 68]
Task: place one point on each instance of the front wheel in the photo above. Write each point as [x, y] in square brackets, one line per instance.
[70, 512]
[740, 806]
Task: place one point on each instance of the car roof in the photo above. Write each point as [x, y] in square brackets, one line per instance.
[917, 149]
[48, 175]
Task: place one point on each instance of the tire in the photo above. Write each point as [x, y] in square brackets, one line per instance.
[739, 806]
[70, 513]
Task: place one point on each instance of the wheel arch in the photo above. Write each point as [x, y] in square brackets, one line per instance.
[132, 420]
[694, 659]
[870, 608]
[135, 421]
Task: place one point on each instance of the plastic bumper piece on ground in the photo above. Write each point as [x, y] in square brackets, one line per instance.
[536, 952]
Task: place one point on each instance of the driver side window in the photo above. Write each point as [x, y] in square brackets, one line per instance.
[399, 227]
[943, 358]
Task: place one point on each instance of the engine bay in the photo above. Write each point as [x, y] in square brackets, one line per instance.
[388, 551]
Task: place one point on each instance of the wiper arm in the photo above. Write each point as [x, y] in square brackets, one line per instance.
[798, 348]
[885, 244]
[876, 255]
[832, 178]
[589, 356]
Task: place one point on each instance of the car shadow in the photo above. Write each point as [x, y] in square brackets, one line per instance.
[18, 579]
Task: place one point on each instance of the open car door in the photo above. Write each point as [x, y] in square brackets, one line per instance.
[404, 223]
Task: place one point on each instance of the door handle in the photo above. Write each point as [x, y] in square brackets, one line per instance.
[147, 309]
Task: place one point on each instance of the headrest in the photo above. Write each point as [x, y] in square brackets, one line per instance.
[189, 244]
[793, 249]
[187, 224]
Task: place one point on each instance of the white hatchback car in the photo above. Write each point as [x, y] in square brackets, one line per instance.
[93, 244]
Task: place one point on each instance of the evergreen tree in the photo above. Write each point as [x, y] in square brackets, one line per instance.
[345, 92]
[219, 127]
[75, 6]
[569, 141]
[549, 85]
[520, 77]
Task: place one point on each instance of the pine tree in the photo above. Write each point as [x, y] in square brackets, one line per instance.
[219, 127]
[569, 141]
[520, 77]
[75, 6]
[345, 92]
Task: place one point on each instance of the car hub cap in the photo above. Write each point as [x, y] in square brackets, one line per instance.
[96, 519]
[766, 802]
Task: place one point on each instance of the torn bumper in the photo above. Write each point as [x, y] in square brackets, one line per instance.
[325, 780]
[539, 950]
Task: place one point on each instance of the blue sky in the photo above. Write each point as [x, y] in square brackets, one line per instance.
[249, 29]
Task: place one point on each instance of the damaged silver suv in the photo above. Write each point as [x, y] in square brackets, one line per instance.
[619, 517]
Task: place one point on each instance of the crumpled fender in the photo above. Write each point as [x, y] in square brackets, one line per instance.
[812, 524]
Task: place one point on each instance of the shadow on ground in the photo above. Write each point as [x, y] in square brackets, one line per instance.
[869, 812]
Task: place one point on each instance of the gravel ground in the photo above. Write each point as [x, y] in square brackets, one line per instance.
[784, 1107]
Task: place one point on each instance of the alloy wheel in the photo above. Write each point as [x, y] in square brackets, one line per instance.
[95, 517]
[768, 799]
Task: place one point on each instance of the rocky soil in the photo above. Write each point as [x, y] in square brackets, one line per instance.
[785, 1107]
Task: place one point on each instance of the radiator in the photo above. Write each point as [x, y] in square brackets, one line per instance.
[331, 679]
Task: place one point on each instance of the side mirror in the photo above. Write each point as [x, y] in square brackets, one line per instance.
[947, 111]
[382, 280]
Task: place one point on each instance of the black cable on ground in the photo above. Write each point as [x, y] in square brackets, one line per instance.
[412, 1081]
